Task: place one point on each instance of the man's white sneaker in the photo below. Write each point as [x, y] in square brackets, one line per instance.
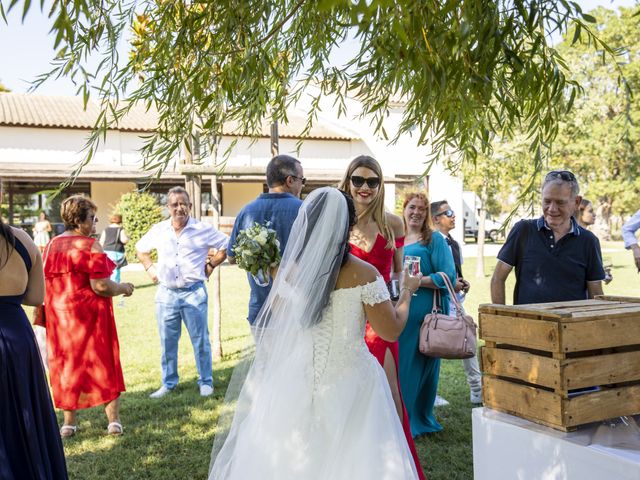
[206, 390]
[161, 392]
[440, 402]
[476, 397]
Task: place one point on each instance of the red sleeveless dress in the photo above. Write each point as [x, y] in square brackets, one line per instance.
[382, 258]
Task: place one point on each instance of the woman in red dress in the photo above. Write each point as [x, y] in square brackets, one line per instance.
[84, 356]
[378, 238]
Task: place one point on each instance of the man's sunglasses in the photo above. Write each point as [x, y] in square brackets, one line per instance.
[447, 213]
[564, 175]
[372, 182]
[302, 179]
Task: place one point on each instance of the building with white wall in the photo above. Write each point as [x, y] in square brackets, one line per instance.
[42, 139]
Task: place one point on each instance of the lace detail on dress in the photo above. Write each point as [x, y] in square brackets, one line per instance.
[339, 337]
[375, 292]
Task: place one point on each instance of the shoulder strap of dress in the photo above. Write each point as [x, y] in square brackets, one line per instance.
[23, 252]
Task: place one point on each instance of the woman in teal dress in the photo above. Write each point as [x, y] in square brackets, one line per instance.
[419, 373]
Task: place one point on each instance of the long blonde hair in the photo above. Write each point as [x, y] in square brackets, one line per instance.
[376, 208]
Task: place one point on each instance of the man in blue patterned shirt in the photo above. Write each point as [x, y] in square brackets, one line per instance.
[279, 207]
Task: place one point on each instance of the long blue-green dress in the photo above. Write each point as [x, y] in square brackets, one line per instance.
[419, 373]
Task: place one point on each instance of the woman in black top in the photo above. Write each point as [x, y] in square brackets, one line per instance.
[113, 240]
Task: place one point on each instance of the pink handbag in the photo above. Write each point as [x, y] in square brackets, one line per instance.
[446, 336]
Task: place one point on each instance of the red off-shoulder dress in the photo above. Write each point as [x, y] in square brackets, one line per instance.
[382, 258]
[84, 354]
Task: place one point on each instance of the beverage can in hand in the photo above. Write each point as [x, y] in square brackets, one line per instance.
[412, 263]
[394, 289]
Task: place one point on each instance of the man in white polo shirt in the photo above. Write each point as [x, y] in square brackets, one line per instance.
[183, 244]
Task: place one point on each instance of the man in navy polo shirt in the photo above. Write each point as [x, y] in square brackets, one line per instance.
[555, 259]
[280, 207]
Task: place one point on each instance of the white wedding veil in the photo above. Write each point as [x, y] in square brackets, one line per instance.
[315, 252]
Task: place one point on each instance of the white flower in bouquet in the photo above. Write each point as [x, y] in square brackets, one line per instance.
[257, 249]
[262, 238]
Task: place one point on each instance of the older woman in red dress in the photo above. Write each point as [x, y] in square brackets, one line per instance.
[378, 238]
[84, 356]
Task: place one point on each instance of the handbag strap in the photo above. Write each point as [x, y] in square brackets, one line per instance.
[452, 292]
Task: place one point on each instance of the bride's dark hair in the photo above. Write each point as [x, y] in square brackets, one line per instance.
[314, 210]
[353, 219]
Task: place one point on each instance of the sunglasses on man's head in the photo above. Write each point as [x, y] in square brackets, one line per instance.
[564, 175]
[447, 213]
[372, 182]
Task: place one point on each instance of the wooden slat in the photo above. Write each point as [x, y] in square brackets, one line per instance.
[616, 298]
[605, 332]
[567, 304]
[524, 401]
[597, 406]
[524, 332]
[532, 309]
[604, 314]
[486, 308]
[600, 370]
[523, 366]
[595, 310]
[551, 409]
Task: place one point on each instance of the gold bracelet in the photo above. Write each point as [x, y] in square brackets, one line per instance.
[408, 290]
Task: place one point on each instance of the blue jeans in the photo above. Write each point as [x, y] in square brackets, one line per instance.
[188, 305]
[115, 257]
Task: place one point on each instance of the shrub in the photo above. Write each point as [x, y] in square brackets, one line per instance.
[140, 211]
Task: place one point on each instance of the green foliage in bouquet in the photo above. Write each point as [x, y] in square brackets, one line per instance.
[257, 248]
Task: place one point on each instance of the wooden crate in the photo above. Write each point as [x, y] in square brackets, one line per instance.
[534, 355]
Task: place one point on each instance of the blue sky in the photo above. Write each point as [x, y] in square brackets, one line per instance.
[28, 48]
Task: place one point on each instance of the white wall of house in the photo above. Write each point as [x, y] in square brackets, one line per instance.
[237, 195]
[106, 195]
[65, 146]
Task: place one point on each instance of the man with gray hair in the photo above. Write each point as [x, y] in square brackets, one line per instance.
[555, 258]
[183, 244]
[279, 207]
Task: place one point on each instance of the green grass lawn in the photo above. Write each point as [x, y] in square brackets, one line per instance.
[171, 438]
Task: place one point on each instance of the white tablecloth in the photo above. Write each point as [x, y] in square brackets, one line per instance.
[509, 447]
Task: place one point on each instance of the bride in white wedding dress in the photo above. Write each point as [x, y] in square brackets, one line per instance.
[315, 404]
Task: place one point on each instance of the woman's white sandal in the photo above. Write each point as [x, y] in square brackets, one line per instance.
[67, 431]
[115, 428]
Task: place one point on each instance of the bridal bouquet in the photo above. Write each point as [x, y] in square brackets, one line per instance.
[257, 250]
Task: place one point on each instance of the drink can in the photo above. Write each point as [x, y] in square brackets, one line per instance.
[412, 263]
[394, 289]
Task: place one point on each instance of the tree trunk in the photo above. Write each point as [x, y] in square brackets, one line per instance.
[275, 139]
[216, 337]
[481, 235]
[192, 184]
